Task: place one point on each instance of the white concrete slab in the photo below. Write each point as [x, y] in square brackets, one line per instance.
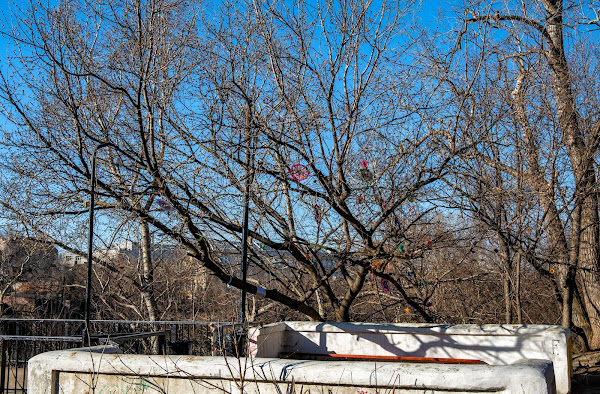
[103, 371]
[493, 344]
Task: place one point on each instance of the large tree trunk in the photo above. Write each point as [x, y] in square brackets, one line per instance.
[506, 281]
[518, 309]
[545, 192]
[584, 253]
[147, 278]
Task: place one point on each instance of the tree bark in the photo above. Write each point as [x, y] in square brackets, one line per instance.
[506, 281]
[147, 278]
[583, 264]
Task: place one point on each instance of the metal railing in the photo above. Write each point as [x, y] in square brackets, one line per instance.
[22, 339]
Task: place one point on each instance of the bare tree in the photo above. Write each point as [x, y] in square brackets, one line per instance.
[316, 99]
[98, 71]
[316, 107]
[546, 135]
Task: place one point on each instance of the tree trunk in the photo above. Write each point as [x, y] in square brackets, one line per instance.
[506, 282]
[545, 192]
[584, 254]
[147, 277]
[518, 291]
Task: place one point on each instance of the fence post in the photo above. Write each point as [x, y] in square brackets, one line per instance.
[3, 372]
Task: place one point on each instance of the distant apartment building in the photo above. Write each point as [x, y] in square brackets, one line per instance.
[123, 249]
[125, 256]
[129, 250]
[70, 260]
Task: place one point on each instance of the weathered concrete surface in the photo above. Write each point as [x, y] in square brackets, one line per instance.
[494, 344]
[103, 371]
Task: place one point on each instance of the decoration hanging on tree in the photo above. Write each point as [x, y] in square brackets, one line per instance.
[164, 205]
[299, 172]
[373, 273]
[385, 285]
[365, 174]
[261, 292]
[318, 213]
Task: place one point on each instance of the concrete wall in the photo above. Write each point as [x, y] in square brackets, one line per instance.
[493, 344]
[102, 370]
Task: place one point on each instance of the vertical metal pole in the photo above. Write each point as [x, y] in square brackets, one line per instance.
[242, 314]
[4, 363]
[15, 370]
[88, 282]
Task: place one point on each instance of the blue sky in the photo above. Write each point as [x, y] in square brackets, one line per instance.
[429, 15]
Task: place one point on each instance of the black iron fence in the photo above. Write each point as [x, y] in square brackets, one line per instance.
[21, 339]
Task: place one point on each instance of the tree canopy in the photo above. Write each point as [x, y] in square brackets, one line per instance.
[357, 133]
